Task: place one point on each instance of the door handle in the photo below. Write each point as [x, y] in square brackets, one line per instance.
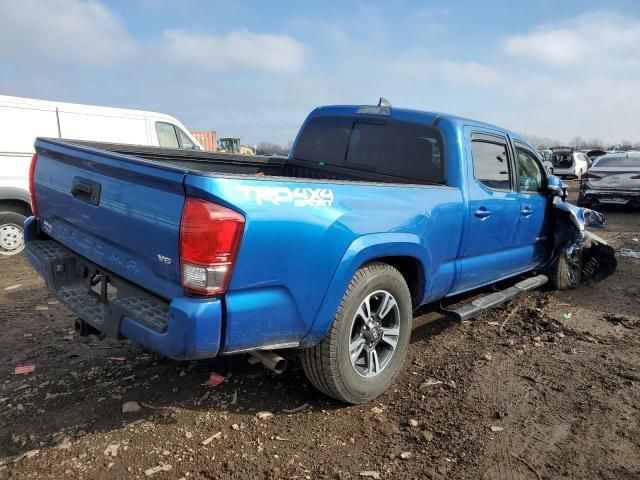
[483, 212]
[526, 211]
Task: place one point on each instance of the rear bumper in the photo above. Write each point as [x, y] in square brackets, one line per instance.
[615, 197]
[185, 328]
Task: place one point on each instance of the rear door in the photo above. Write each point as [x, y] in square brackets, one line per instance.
[119, 212]
[494, 210]
[534, 238]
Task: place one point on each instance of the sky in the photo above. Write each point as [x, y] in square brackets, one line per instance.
[255, 69]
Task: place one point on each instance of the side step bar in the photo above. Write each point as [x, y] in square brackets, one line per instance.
[486, 302]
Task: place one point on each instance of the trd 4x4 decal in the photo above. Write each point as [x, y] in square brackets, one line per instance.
[299, 196]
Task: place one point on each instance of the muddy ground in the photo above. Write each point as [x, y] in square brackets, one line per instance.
[545, 387]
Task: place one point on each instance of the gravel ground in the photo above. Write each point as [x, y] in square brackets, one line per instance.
[547, 386]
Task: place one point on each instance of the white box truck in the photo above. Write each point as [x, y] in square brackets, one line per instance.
[24, 119]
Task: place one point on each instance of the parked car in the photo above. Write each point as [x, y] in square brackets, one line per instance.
[24, 119]
[569, 164]
[595, 154]
[375, 212]
[613, 179]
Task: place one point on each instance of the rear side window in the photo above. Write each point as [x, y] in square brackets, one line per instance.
[388, 147]
[491, 164]
[626, 161]
[167, 135]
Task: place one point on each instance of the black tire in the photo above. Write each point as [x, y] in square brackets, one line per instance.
[328, 365]
[11, 234]
[566, 271]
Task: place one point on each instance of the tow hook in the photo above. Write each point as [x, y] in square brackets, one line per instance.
[84, 329]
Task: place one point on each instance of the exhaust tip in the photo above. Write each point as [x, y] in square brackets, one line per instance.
[271, 360]
[280, 366]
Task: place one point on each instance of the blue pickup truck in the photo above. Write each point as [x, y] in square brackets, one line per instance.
[376, 211]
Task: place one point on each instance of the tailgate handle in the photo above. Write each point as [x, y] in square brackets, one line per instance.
[86, 190]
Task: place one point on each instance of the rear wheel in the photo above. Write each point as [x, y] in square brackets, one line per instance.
[365, 348]
[566, 271]
[11, 234]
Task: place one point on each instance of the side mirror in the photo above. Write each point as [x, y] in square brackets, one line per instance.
[556, 187]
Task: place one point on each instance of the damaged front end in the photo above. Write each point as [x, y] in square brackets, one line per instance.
[592, 256]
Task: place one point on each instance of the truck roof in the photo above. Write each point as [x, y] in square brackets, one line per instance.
[412, 115]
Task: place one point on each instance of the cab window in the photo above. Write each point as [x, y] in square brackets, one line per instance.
[185, 141]
[491, 163]
[167, 135]
[529, 171]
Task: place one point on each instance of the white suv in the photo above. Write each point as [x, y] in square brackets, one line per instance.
[567, 163]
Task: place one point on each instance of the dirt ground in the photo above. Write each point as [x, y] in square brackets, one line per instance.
[545, 387]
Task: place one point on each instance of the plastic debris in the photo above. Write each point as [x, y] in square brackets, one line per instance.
[371, 474]
[112, 450]
[117, 359]
[130, 407]
[12, 287]
[214, 380]
[566, 315]
[495, 428]
[160, 468]
[210, 439]
[627, 252]
[24, 369]
[296, 409]
[264, 415]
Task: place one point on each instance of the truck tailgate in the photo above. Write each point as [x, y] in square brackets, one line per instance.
[121, 213]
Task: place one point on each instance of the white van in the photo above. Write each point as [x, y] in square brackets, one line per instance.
[24, 119]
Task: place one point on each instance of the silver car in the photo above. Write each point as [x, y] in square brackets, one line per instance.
[612, 179]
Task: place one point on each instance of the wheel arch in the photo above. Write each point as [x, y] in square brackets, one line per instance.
[15, 200]
[404, 251]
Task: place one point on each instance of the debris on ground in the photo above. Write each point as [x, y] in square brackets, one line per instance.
[210, 439]
[370, 474]
[24, 369]
[430, 382]
[627, 252]
[304, 406]
[12, 287]
[495, 428]
[112, 450]
[160, 468]
[566, 315]
[214, 380]
[264, 415]
[131, 407]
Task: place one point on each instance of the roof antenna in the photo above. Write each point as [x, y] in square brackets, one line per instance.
[383, 102]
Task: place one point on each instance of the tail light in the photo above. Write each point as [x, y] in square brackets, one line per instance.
[590, 176]
[636, 177]
[32, 184]
[210, 237]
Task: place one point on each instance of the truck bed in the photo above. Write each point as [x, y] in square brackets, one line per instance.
[213, 163]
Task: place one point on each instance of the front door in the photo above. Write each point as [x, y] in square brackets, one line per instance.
[535, 235]
[494, 210]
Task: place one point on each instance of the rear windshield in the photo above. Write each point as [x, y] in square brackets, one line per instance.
[388, 147]
[625, 161]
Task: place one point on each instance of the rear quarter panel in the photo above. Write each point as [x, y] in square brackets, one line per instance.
[303, 242]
